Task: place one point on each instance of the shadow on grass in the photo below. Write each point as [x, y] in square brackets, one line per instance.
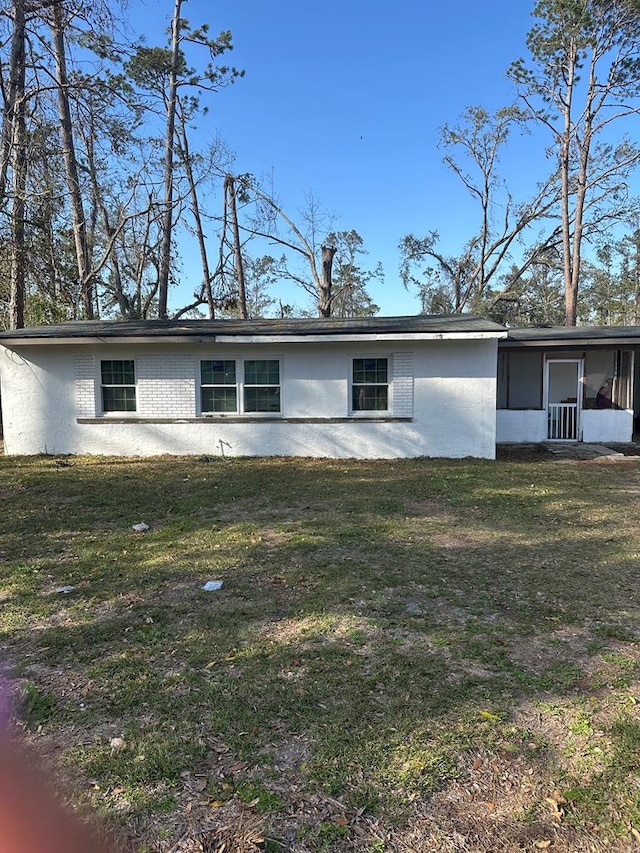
[382, 611]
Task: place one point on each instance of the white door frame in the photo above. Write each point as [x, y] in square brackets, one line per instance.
[564, 418]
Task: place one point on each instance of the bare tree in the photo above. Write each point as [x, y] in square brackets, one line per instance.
[457, 282]
[186, 158]
[232, 207]
[306, 239]
[583, 77]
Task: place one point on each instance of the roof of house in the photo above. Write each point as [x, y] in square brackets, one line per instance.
[333, 328]
[573, 336]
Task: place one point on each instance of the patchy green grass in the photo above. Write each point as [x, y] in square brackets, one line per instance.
[402, 652]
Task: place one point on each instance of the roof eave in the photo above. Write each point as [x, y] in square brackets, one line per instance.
[109, 340]
[570, 343]
[357, 337]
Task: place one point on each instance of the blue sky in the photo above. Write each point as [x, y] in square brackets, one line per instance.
[344, 99]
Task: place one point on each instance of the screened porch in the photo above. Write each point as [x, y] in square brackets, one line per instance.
[565, 395]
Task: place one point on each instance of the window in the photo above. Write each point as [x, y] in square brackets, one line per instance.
[520, 374]
[218, 390]
[248, 386]
[262, 386]
[370, 387]
[118, 381]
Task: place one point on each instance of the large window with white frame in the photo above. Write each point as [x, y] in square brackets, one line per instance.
[240, 386]
[118, 385]
[218, 386]
[262, 385]
[370, 385]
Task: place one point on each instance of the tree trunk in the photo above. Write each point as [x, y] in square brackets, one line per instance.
[570, 292]
[100, 207]
[169, 143]
[18, 137]
[326, 283]
[16, 62]
[195, 209]
[571, 296]
[70, 161]
[237, 251]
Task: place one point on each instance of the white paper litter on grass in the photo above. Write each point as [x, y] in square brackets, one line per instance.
[212, 586]
[64, 589]
[141, 527]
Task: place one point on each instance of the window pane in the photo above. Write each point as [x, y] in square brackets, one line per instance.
[370, 398]
[264, 372]
[118, 372]
[218, 372]
[119, 399]
[370, 370]
[262, 399]
[107, 372]
[219, 400]
[358, 370]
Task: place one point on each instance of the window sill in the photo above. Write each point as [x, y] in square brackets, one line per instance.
[241, 419]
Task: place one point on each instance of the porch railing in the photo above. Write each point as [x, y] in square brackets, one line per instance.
[563, 421]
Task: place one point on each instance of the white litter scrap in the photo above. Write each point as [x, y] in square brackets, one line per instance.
[64, 590]
[212, 586]
[141, 527]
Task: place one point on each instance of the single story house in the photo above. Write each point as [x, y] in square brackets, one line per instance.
[449, 386]
[374, 387]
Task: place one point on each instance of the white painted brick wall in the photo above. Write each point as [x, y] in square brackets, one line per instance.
[403, 384]
[453, 390]
[166, 386]
[84, 368]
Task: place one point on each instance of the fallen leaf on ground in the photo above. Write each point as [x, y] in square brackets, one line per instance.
[489, 716]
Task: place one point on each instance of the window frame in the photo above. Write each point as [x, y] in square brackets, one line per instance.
[227, 386]
[118, 412]
[370, 412]
[241, 385]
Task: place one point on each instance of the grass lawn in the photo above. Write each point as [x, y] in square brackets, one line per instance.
[423, 655]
